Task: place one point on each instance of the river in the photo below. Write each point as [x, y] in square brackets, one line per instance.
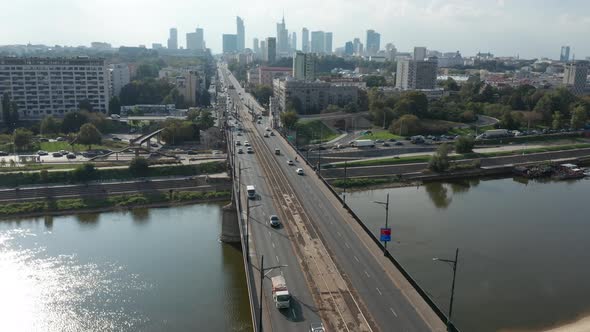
[524, 247]
[145, 270]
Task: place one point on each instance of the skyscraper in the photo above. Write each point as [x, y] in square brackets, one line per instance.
[282, 39]
[574, 76]
[304, 66]
[328, 43]
[194, 40]
[294, 41]
[230, 43]
[240, 34]
[255, 46]
[271, 49]
[263, 50]
[305, 40]
[173, 39]
[373, 42]
[565, 54]
[318, 40]
[419, 53]
[349, 48]
[358, 47]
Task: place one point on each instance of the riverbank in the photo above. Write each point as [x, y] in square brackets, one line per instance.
[49, 207]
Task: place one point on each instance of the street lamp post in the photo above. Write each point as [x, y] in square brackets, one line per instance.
[345, 183]
[262, 275]
[386, 204]
[454, 266]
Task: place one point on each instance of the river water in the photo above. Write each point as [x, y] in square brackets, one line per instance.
[145, 270]
[524, 247]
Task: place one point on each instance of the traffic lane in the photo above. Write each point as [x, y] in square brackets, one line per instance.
[276, 246]
[378, 291]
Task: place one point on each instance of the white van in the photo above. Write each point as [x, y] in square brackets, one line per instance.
[251, 190]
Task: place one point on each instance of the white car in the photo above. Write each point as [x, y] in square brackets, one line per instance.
[268, 129]
[290, 163]
[300, 171]
[246, 143]
[266, 135]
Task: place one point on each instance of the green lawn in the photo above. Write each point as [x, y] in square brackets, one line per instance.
[312, 129]
[381, 134]
[56, 146]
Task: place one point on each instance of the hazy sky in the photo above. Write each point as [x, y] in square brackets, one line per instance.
[531, 28]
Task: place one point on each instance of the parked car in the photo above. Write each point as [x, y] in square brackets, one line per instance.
[43, 139]
[398, 143]
[42, 153]
[57, 155]
[379, 141]
[392, 140]
[386, 144]
[116, 139]
[274, 221]
[154, 145]
[60, 139]
[3, 153]
[71, 156]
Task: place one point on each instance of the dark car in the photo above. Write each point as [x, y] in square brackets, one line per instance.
[71, 156]
[192, 152]
[398, 143]
[3, 153]
[392, 140]
[386, 144]
[57, 154]
[116, 139]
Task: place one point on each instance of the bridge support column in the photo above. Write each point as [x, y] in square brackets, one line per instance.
[230, 227]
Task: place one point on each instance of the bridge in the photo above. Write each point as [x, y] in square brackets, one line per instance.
[337, 272]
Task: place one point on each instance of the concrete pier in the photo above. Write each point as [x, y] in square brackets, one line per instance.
[230, 228]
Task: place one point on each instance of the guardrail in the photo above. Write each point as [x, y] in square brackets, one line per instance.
[409, 278]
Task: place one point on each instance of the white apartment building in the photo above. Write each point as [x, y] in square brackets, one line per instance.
[119, 76]
[54, 86]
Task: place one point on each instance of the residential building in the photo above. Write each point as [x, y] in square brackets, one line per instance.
[230, 43]
[190, 85]
[450, 60]
[267, 74]
[304, 66]
[314, 96]
[373, 44]
[575, 77]
[101, 46]
[305, 40]
[348, 48]
[419, 53]
[54, 86]
[328, 43]
[412, 75]
[565, 54]
[318, 41]
[391, 51]
[271, 49]
[173, 39]
[240, 34]
[253, 76]
[119, 76]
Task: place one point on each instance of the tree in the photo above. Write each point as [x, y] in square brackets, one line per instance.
[177, 131]
[294, 104]
[139, 166]
[439, 162]
[557, 122]
[73, 121]
[289, 119]
[464, 144]
[351, 108]
[114, 105]
[450, 85]
[85, 105]
[49, 125]
[579, 117]
[375, 80]
[406, 125]
[89, 135]
[84, 173]
[262, 93]
[9, 112]
[22, 138]
[205, 120]
[508, 121]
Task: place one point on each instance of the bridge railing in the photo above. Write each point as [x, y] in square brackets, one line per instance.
[392, 259]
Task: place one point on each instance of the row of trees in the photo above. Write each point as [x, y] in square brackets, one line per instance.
[178, 131]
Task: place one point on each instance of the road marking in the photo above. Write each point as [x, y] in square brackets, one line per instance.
[339, 234]
[393, 312]
[346, 244]
[356, 259]
[278, 261]
[368, 276]
[294, 315]
[273, 244]
[269, 233]
[378, 291]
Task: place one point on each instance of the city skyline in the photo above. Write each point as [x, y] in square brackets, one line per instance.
[440, 25]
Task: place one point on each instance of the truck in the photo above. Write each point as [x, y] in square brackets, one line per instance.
[251, 190]
[362, 143]
[278, 152]
[280, 292]
[494, 133]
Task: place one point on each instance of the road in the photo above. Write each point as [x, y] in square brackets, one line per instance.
[383, 299]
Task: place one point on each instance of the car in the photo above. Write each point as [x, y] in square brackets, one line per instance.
[300, 171]
[57, 155]
[3, 153]
[274, 221]
[42, 153]
[259, 122]
[392, 140]
[154, 145]
[379, 141]
[240, 151]
[60, 139]
[238, 143]
[239, 134]
[250, 150]
[266, 135]
[317, 327]
[398, 143]
[267, 129]
[290, 162]
[272, 133]
[246, 143]
[71, 156]
[117, 139]
[43, 139]
[386, 144]
[64, 152]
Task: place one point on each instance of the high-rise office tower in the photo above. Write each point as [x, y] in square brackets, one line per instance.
[373, 44]
[304, 66]
[230, 43]
[256, 46]
[294, 41]
[358, 46]
[419, 53]
[318, 40]
[282, 39]
[173, 39]
[349, 48]
[240, 34]
[263, 50]
[328, 43]
[575, 75]
[305, 40]
[565, 54]
[271, 49]
[194, 40]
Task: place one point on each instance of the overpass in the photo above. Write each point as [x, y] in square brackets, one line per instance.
[336, 270]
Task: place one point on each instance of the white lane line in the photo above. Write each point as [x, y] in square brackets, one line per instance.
[393, 312]
[294, 315]
[356, 259]
[278, 261]
[273, 244]
[378, 291]
[346, 244]
[339, 234]
[368, 276]
[269, 233]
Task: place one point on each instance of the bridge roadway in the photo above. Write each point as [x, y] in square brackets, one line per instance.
[364, 287]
